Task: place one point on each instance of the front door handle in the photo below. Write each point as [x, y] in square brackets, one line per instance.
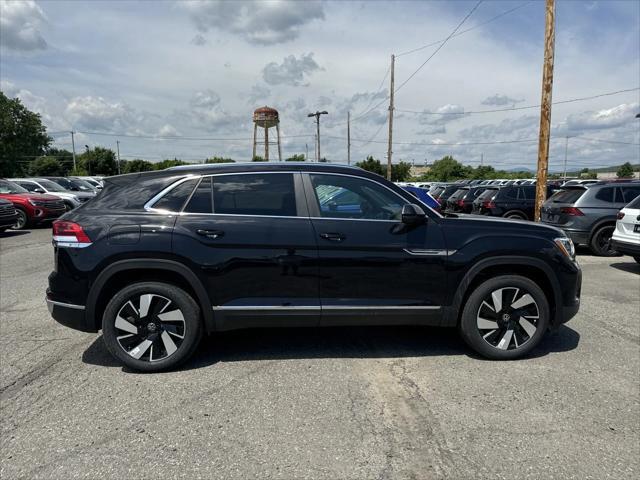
[334, 237]
[213, 234]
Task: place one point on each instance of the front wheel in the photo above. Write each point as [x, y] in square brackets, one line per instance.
[151, 326]
[505, 317]
[22, 221]
[516, 215]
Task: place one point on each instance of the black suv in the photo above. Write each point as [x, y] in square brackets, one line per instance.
[511, 201]
[588, 213]
[159, 258]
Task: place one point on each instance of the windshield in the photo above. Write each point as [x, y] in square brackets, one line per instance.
[82, 185]
[51, 186]
[9, 187]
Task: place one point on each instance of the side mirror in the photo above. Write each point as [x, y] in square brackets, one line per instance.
[38, 190]
[412, 214]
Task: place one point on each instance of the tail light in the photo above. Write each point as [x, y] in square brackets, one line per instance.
[620, 215]
[572, 211]
[489, 204]
[440, 200]
[461, 203]
[69, 234]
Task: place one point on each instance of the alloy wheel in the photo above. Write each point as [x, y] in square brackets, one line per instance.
[603, 241]
[21, 221]
[150, 327]
[508, 318]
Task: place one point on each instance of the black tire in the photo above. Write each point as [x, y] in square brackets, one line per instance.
[22, 221]
[128, 303]
[68, 206]
[516, 215]
[527, 322]
[600, 243]
[2, 229]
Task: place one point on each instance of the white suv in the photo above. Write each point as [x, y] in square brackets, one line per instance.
[42, 185]
[626, 236]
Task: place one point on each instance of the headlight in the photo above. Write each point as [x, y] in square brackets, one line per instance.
[33, 202]
[566, 246]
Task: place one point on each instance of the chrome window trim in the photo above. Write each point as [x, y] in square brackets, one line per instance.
[324, 307]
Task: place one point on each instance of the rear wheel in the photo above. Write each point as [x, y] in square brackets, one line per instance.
[505, 317]
[515, 214]
[601, 242]
[22, 221]
[151, 326]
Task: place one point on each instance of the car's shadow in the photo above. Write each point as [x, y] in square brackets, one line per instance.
[344, 342]
[13, 233]
[629, 267]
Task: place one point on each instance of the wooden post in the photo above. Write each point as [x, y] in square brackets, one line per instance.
[255, 140]
[348, 138]
[545, 109]
[391, 88]
[266, 144]
[279, 148]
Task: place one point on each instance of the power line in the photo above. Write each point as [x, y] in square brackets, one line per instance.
[579, 99]
[177, 137]
[507, 12]
[590, 139]
[444, 42]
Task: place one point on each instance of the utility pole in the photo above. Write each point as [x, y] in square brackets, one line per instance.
[348, 138]
[317, 115]
[88, 159]
[566, 148]
[73, 147]
[391, 88]
[315, 150]
[118, 150]
[545, 108]
[306, 148]
[482, 159]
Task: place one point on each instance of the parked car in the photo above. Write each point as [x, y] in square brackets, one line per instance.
[571, 183]
[73, 185]
[8, 215]
[31, 208]
[42, 185]
[443, 194]
[423, 195]
[93, 181]
[159, 258]
[626, 236]
[510, 201]
[462, 200]
[588, 213]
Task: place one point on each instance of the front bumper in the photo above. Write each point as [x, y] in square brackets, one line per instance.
[8, 221]
[626, 248]
[69, 315]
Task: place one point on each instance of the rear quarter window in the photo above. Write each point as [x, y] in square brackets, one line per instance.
[630, 193]
[175, 198]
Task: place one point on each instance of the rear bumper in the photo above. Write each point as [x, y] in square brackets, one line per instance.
[69, 315]
[626, 248]
[579, 237]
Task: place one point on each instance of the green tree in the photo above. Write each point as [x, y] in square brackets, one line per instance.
[22, 136]
[448, 168]
[98, 161]
[399, 171]
[168, 163]
[298, 157]
[586, 173]
[47, 167]
[219, 160]
[372, 165]
[485, 172]
[625, 171]
[258, 158]
[137, 165]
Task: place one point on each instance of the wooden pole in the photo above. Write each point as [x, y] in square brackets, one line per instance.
[255, 140]
[348, 138]
[545, 109]
[279, 148]
[391, 88]
[266, 144]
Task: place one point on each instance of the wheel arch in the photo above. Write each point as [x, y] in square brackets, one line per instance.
[125, 272]
[532, 268]
[518, 211]
[607, 221]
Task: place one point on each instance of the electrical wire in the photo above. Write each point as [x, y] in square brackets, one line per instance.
[580, 99]
[444, 42]
[507, 12]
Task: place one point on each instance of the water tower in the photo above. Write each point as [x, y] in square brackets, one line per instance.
[266, 118]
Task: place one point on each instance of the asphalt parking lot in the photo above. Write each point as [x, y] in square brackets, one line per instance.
[309, 403]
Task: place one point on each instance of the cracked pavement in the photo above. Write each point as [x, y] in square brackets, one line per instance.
[320, 403]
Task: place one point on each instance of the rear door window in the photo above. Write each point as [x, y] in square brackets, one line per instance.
[175, 198]
[271, 194]
[510, 193]
[529, 193]
[605, 195]
[629, 193]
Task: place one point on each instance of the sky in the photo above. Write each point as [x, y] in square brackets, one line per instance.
[182, 78]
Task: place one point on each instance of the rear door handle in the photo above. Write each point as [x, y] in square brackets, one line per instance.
[213, 234]
[334, 237]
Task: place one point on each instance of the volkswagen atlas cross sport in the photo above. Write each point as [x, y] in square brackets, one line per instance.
[158, 259]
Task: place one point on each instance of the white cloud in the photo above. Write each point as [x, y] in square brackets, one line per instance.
[258, 21]
[168, 131]
[20, 24]
[617, 116]
[292, 71]
[199, 40]
[95, 113]
[500, 100]
[259, 94]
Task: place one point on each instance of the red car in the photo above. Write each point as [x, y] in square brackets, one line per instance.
[32, 208]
